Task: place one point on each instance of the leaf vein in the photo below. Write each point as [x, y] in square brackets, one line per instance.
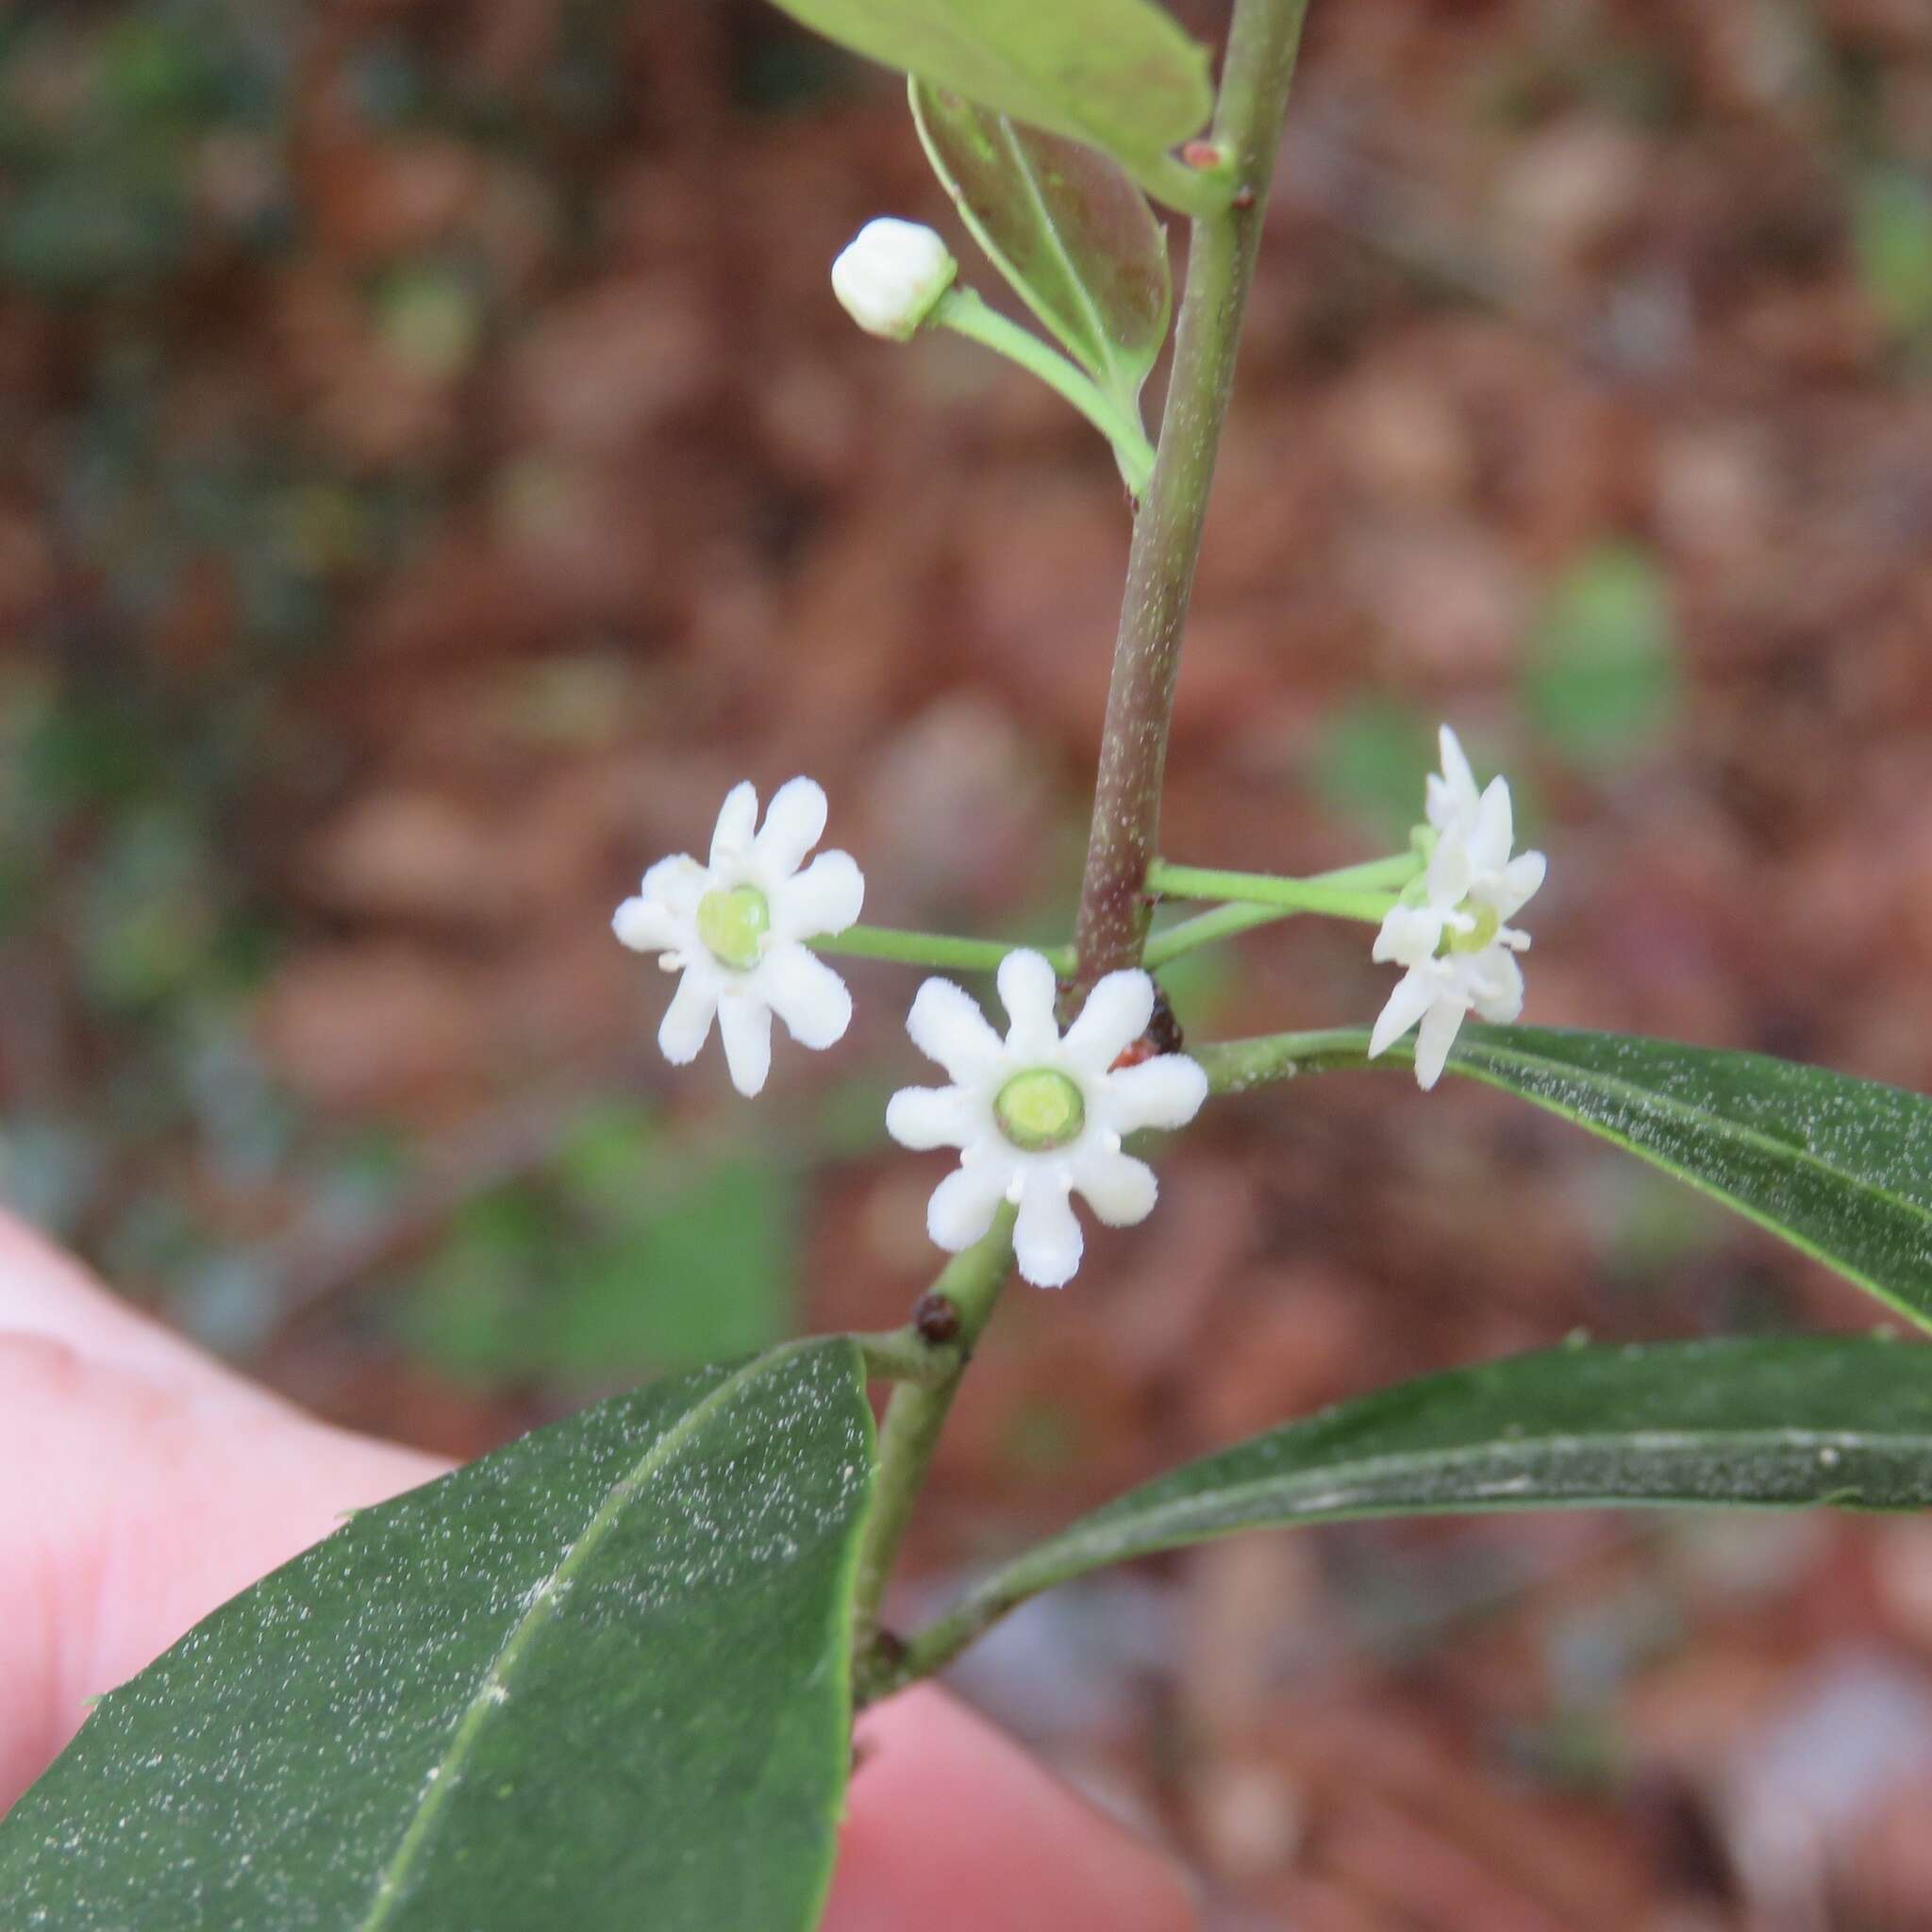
[445, 1774]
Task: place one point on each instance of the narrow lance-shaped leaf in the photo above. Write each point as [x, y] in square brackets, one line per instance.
[1838, 1167]
[599, 1678]
[1066, 227]
[1787, 1421]
[1117, 74]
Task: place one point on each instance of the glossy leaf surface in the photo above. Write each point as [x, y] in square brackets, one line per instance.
[597, 1679]
[1838, 1167]
[1788, 1420]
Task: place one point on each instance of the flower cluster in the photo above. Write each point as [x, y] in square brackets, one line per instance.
[1035, 1117]
[1039, 1115]
[1454, 940]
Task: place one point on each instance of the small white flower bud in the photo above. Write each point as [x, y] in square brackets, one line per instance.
[889, 275]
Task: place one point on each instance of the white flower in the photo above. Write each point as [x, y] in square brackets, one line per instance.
[1037, 1117]
[1450, 800]
[736, 928]
[1456, 944]
[889, 275]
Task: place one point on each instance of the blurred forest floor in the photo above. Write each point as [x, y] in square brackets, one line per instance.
[432, 469]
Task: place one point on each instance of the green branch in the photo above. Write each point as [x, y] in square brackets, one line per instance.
[972, 1282]
[1255, 74]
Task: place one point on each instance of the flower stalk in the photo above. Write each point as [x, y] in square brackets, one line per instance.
[903, 949]
[1263, 888]
[964, 313]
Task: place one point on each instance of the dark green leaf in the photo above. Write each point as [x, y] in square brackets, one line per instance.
[1789, 1421]
[1066, 227]
[599, 1679]
[1838, 1167]
[1117, 74]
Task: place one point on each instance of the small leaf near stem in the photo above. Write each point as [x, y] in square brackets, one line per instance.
[1121, 75]
[971, 1282]
[1072, 234]
[1264, 889]
[964, 313]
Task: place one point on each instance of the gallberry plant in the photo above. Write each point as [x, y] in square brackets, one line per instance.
[605, 1676]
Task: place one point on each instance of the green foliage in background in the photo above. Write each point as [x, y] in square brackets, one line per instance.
[627, 1256]
[1891, 242]
[1599, 675]
[1365, 763]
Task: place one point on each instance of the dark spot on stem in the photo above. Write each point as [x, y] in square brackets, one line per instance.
[937, 1318]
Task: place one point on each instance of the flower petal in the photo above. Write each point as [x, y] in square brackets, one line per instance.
[1046, 1238]
[1116, 1014]
[1165, 1092]
[805, 993]
[1494, 831]
[1456, 769]
[1450, 869]
[1439, 1026]
[1496, 986]
[678, 882]
[746, 1023]
[924, 1117]
[1415, 993]
[946, 1025]
[963, 1204]
[687, 1023]
[1027, 989]
[1409, 937]
[795, 823]
[647, 925]
[738, 818]
[1118, 1187]
[826, 898]
[1522, 880]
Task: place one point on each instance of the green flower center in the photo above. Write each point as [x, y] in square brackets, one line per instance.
[1039, 1109]
[1485, 929]
[732, 925]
